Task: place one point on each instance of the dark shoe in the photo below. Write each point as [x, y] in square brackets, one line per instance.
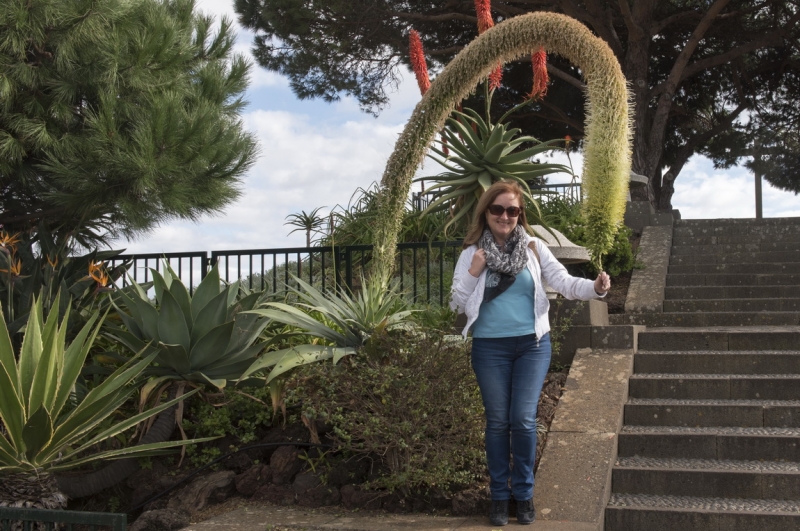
[526, 514]
[498, 514]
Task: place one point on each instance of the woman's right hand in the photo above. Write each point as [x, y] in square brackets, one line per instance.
[478, 263]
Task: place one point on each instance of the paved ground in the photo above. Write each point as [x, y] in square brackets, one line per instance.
[272, 518]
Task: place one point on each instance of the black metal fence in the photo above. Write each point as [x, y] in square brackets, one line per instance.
[44, 519]
[423, 271]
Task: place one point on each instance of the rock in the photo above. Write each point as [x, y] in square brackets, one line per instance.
[275, 494]
[352, 471]
[160, 520]
[312, 493]
[319, 496]
[295, 432]
[239, 462]
[355, 498]
[249, 481]
[284, 464]
[214, 487]
[305, 481]
[471, 502]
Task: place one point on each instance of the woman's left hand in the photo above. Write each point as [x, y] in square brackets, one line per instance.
[602, 283]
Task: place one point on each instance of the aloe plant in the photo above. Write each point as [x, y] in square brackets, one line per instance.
[339, 324]
[44, 429]
[480, 153]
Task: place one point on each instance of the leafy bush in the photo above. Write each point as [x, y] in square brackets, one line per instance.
[565, 216]
[242, 414]
[416, 408]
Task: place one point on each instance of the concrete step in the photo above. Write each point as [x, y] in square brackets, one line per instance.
[717, 362]
[683, 238]
[707, 319]
[720, 338]
[734, 279]
[726, 443]
[626, 512]
[741, 233]
[730, 248]
[791, 268]
[715, 386]
[731, 292]
[734, 223]
[731, 305]
[750, 257]
[744, 413]
[757, 480]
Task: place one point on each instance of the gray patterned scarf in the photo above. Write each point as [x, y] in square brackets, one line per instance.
[503, 264]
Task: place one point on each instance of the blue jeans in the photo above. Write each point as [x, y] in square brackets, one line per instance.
[510, 373]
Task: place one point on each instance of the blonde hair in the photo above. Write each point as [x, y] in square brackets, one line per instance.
[487, 199]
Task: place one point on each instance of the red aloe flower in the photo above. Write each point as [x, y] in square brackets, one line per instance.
[418, 64]
[496, 77]
[483, 9]
[540, 76]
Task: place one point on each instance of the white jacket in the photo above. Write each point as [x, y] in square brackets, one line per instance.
[467, 292]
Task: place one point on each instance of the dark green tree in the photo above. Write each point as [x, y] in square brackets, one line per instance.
[710, 77]
[116, 116]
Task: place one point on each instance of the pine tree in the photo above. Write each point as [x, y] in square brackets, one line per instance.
[117, 115]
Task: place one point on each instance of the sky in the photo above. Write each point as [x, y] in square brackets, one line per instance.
[317, 154]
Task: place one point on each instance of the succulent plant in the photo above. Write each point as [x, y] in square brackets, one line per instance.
[205, 338]
[478, 154]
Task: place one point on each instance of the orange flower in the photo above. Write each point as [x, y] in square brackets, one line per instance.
[9, 242]
[540, 76]
[15, 269]
[484, 12]
[97, 272]
[418, 64]
[54, 262]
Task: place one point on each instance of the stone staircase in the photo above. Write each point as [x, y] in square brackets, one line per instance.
[711, 434]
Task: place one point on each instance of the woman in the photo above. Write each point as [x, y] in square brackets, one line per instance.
[498, 283]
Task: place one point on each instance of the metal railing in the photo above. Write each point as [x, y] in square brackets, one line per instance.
[45, 519]
[422, 270]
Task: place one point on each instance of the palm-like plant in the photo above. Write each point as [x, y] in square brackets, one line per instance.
[479, 153]
[44, 428]
[341, 325]
[310, 223]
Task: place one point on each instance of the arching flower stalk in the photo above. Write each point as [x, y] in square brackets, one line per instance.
[540, 76]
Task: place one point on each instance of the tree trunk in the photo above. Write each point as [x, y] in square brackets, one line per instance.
[117, 471]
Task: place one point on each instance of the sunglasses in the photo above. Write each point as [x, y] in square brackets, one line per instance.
[497, 210]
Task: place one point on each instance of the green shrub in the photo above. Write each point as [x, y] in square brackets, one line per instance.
[229, 413]
[416, 408]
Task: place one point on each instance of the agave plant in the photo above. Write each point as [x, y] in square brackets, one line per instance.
[195, 340]
[208, 338]
[476, 154]
[339, 324]
[44, 428]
